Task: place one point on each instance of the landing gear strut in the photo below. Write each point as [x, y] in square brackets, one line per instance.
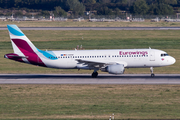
[94, 74]
[152, 74]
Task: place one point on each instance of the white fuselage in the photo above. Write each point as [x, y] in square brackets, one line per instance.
[130, 58]
[111, 61]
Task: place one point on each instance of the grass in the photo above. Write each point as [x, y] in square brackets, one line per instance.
[168, 41]
[89, 101]
[70, 23]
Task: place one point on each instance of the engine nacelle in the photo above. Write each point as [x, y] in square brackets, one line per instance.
[114, 69]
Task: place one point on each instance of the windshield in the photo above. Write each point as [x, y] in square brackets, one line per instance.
[165, 54]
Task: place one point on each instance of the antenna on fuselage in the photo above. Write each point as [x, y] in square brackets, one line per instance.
[77, 47]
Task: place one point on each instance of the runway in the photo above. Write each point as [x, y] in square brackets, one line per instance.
[86, 79]
[96, 28]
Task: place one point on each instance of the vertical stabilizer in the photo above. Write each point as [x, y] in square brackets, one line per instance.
[20, 42]
[24, 50]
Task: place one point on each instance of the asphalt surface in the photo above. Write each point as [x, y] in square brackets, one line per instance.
[96, 28]
[86, 79]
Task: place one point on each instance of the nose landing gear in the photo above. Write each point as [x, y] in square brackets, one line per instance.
[152, 74]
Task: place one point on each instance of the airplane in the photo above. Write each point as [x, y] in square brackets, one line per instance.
[113, 61]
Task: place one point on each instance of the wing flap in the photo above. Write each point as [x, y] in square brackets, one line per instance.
[91, 63]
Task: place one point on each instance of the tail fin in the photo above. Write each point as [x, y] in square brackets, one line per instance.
[20, 43]
[24, 50]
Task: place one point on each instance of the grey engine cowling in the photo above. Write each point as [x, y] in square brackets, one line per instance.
[114, 69]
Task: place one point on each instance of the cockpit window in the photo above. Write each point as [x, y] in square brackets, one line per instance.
[162, 55]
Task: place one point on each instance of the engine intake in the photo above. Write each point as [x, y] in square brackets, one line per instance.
[114, 69]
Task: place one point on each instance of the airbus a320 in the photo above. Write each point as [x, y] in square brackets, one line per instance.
[112, 61]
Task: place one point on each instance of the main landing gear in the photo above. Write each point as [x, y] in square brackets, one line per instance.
[152, 74]
[94, 74]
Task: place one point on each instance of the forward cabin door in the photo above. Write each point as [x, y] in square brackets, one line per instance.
[152, 55]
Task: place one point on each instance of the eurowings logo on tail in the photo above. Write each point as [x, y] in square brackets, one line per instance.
[24, 50]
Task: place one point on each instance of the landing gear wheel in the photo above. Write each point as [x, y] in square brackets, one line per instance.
[152, 75]
[94, 74]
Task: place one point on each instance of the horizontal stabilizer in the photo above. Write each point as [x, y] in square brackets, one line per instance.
[12, 55]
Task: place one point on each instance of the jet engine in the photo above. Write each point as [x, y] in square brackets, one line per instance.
[114, 69]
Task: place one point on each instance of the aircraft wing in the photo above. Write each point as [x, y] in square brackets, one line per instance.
[98, 64]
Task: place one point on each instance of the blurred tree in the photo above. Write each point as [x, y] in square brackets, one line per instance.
[120, 1]
[172, 2]
[59, 11]
[104, 1]
[45, 13]
[76, 7]
[18, 13]
[90, 1]
[162, 7]
[104, 11]
[140, 7]
[117, 11]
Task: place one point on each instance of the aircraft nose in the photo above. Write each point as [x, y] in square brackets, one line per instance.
[173, 60]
